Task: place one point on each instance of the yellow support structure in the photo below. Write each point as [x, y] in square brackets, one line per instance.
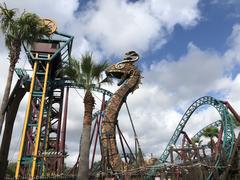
[33, 171]
[46, 58]
[26, 121]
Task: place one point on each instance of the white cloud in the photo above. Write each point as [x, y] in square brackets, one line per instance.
[117, 26]
[232, 56]
[175, 12]
[190, 76]
[61, 11]
[113, 26]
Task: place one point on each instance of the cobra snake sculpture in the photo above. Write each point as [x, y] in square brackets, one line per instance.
[130, 78]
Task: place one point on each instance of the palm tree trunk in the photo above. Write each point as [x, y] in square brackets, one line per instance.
[14, 54]
[6, 95]
[11, 113]
[212, 158]
[83, 171]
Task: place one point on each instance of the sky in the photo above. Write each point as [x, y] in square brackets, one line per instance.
[188, 49]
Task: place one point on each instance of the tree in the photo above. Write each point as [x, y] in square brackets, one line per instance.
[196, 141]
[86, 73]
[11, 169]
[211, 132]
[26, 28]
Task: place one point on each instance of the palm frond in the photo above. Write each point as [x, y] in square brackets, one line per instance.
[72, 71]
[31, 27]
[86, 72]
[8, 40]
[7, 17]
[98, 69]
[210, 132]
[86, 63]
[28, 27]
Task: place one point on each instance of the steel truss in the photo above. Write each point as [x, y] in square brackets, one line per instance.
[40, 153]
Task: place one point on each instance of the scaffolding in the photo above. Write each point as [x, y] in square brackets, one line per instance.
[41, 151]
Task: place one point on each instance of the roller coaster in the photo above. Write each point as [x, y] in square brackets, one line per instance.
[42, 149]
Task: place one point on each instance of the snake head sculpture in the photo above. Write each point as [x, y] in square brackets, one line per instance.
[125, 68]
[130, 77]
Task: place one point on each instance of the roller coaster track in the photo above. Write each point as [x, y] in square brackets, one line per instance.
[228, 132]
[95, 88]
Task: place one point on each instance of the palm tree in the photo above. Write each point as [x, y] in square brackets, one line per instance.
[196, 140]
[211, 132]
[26, 28]
[85, 73]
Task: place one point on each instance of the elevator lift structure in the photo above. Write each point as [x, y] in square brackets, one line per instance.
[41, 150]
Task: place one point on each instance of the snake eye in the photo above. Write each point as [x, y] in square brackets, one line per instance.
[119, 66]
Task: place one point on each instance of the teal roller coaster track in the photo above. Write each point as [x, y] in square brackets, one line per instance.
[228, 131]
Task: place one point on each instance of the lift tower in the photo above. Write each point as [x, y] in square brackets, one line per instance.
[40, 152]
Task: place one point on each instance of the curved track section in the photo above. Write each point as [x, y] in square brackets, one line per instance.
[214, 124]
[97, 89]
[228, 137]
[228, 132]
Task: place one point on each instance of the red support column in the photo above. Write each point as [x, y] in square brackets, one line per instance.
[63, 132]
[99, 119]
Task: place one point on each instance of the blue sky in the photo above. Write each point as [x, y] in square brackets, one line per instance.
[188, 49]
[211, 32]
